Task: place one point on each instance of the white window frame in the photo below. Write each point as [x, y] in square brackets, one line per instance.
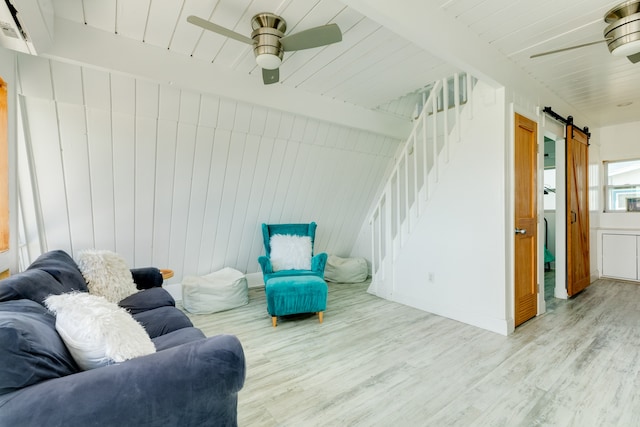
[618, 191]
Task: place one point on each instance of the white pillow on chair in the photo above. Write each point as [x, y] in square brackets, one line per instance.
[289, 252]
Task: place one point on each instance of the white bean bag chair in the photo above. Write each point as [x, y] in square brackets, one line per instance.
[345, 270]
[221, 290]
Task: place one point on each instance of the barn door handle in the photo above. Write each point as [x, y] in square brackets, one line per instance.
[521, 231]
[574, 217]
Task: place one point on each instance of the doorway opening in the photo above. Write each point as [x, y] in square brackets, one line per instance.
[549, 229]
[553, 227]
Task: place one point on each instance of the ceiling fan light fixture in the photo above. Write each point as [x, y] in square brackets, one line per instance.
[627, 49]
[268, 61]
[623, 35]
[268, 29]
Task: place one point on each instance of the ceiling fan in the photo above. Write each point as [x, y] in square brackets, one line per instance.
[269, 42]
[622, 35]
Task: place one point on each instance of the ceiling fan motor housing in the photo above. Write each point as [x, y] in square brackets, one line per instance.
[267, 31]
[623, 32]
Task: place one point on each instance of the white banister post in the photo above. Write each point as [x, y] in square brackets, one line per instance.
[445, 121]
[406, 190]
[372, 223]
[388, 233]
[416, 190]
[456, 93]
[469, 82]
[425, 156]
[397, 208]
[435, 137]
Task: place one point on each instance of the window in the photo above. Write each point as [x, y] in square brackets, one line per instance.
[622, 186]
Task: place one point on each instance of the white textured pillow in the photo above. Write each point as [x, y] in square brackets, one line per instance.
[97, 332]
[107, 274]
[290, 252]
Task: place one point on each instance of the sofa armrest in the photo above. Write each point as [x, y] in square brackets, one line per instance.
[193, 384]
[265, 264]
[318, 263]
[147, 277]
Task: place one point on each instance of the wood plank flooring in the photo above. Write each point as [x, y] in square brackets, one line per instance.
[377, 363]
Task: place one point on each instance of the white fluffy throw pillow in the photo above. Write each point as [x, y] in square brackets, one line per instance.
[107, 274]
[290, 252]
[97, 332]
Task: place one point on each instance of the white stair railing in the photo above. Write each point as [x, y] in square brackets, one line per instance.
[415, 175]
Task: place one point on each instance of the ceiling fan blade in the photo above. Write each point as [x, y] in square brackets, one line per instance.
[207, 25]
[313, 37]
[634, 58]
[537, 55]
[270, 76]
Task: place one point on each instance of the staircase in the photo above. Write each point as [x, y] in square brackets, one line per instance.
[416, 174]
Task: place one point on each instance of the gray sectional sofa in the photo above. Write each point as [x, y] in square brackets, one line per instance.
[190, 380]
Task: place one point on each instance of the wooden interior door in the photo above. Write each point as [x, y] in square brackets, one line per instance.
[526, 219]
[578, 266]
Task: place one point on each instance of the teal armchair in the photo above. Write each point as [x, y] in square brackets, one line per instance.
[293, 291]
[318, 261]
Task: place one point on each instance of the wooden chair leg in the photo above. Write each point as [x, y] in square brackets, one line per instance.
[320, 315]
[274, 320]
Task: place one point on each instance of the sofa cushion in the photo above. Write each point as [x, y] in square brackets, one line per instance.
[34, 285]
[147, 299]
[54, 272]
[97, 332]
[162, 320]
[63, 269]
[31, 351]
[107, 274]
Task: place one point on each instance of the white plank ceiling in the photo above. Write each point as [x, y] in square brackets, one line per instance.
[376, 68]
[590, 78]
[371, 67]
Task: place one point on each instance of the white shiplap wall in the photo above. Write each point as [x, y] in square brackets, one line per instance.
[182, 180]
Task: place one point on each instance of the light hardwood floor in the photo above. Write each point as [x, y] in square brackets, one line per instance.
[377, 363]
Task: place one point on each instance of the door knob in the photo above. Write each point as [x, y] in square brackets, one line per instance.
[521, 231]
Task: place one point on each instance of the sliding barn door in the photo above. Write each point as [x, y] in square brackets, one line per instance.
[578, 268]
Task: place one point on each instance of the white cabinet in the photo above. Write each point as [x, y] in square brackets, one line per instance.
[620, 256]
